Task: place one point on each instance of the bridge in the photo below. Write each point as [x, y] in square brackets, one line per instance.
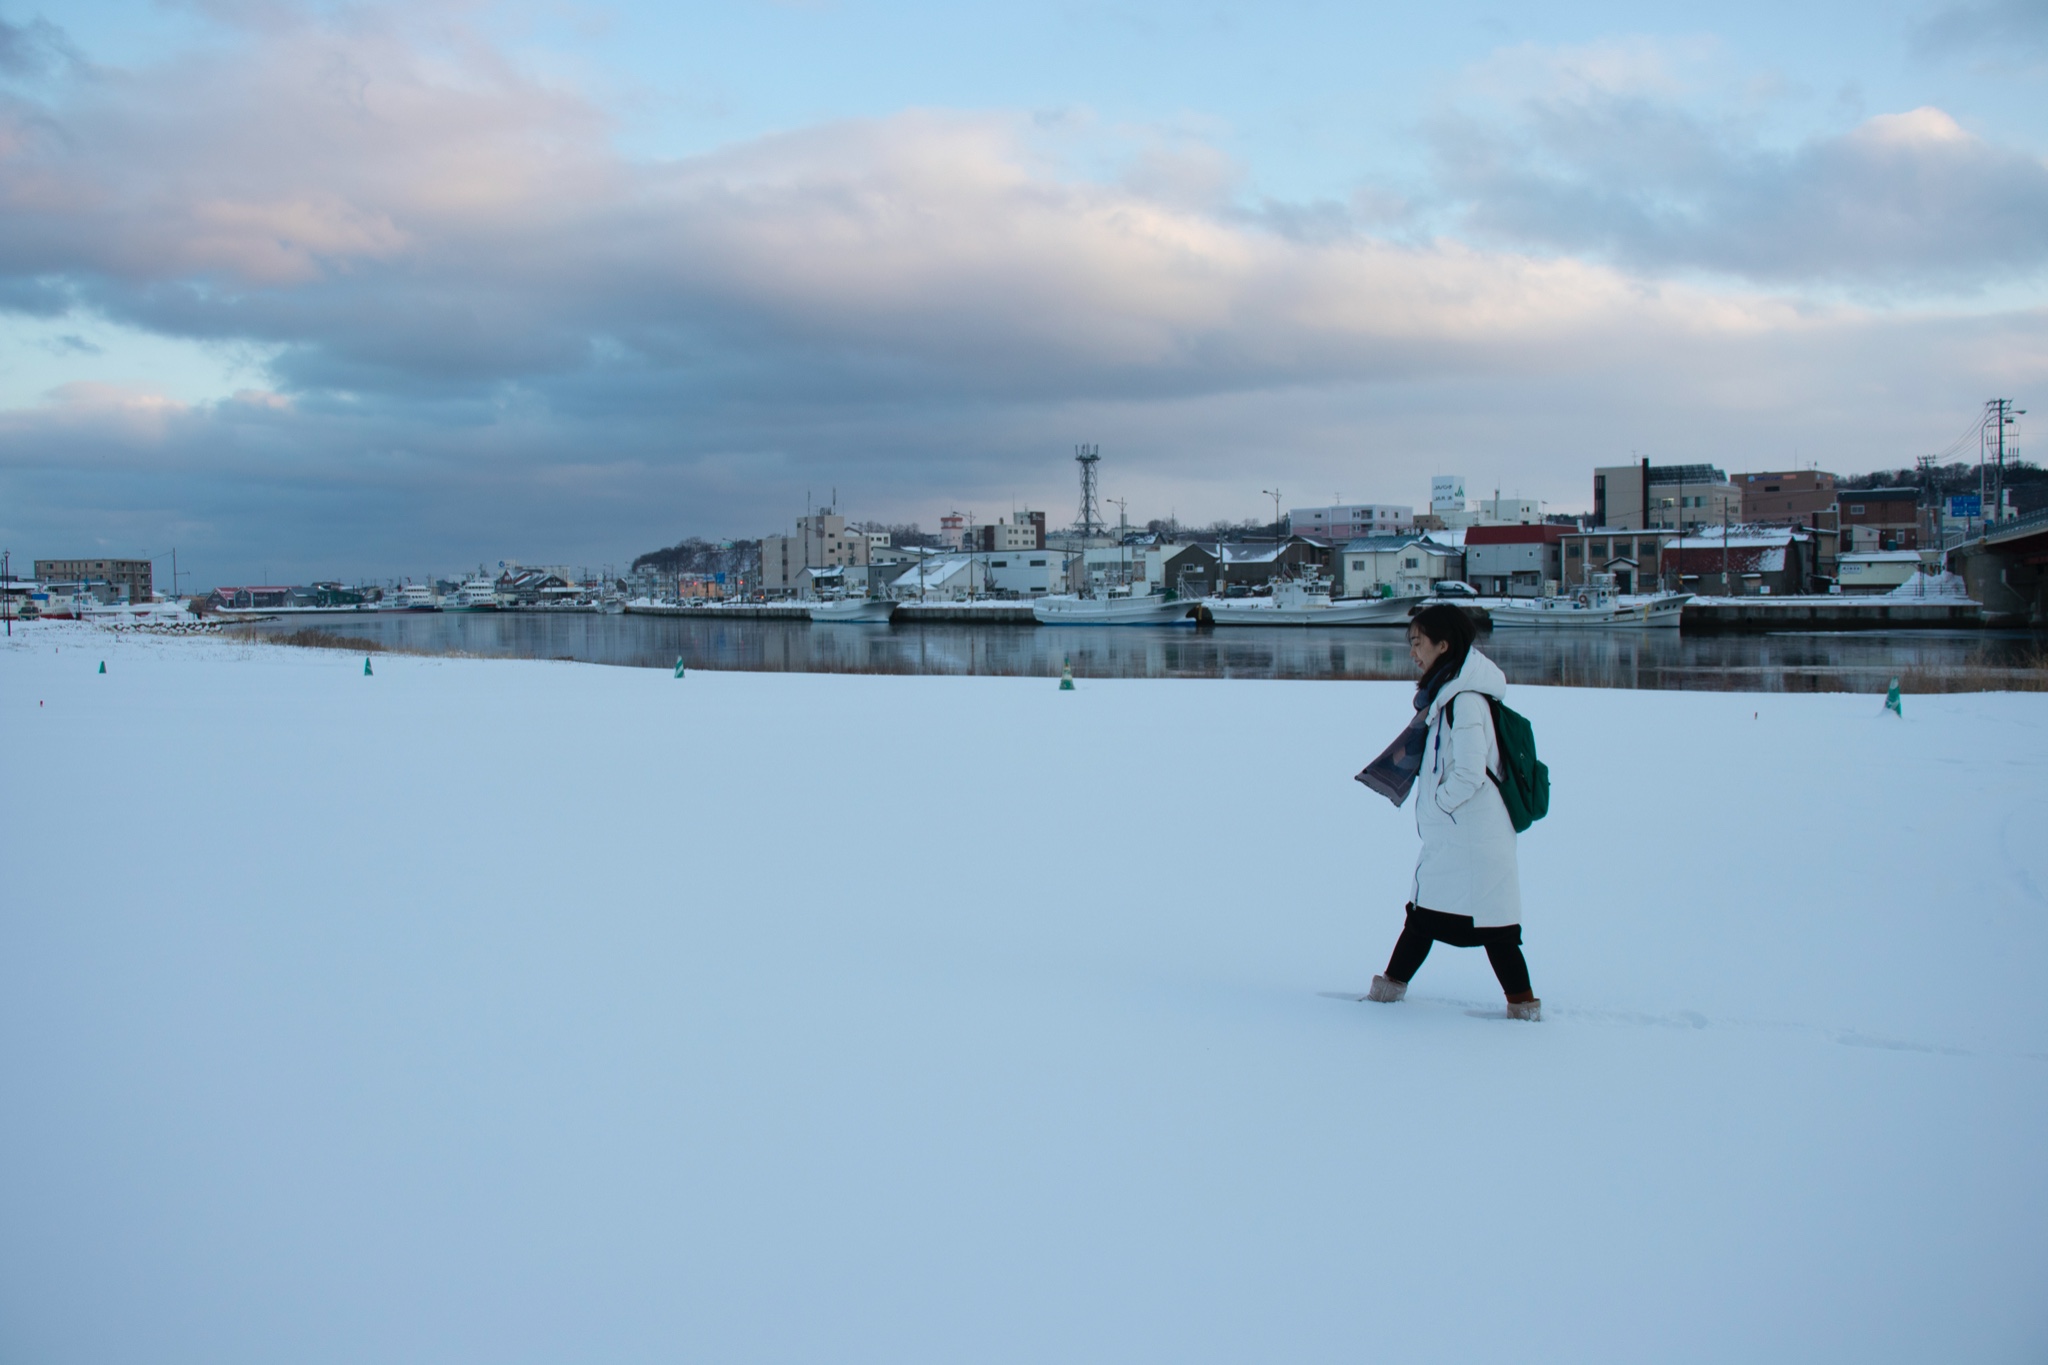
[2007, 570]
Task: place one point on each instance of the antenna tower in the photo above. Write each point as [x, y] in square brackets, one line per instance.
[1090, 524]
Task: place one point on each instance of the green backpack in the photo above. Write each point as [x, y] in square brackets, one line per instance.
[1523, 779]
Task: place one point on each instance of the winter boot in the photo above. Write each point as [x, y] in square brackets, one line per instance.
[1530, 1009]
[1386, 991]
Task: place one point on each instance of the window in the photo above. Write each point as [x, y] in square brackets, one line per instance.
[1571, 551]
[1411, 563]
[1855, 509]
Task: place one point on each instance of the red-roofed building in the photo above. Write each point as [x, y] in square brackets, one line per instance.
[1515, 561]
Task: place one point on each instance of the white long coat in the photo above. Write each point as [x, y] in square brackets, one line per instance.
[1467, 865]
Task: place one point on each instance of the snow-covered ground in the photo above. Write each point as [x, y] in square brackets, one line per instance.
[505, 1012]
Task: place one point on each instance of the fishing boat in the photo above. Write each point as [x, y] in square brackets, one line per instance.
[478, 594]
[1593, 605]
[1296, 603]
[852, 610]
[1069, 610]
[411, 597]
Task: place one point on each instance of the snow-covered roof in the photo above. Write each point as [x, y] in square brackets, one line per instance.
[1370, 544]
[1738, 538]
[1879, 556]
[1245, 554]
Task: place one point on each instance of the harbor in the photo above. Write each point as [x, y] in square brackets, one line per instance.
[735, 639]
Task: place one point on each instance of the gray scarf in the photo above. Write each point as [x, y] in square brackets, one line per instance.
[1393, 773]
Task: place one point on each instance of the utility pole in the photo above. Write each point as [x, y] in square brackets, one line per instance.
[1274, 494]
[1998, 415]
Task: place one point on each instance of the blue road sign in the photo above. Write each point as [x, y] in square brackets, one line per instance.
[1966, 506]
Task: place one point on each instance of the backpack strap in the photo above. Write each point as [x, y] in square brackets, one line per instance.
[1491, 714]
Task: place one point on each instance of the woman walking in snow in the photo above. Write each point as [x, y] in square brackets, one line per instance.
[1467, 892]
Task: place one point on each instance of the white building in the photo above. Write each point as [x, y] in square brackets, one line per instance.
[1495, 512]
[1027, 572]
[1397, 566]
[1350, 520]
[950, 577]
[1447, 495]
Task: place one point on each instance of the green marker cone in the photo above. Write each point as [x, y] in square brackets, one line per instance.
[1891, 701]
[679, 667]
[1066, 675]
[103, 665]
[366, 667]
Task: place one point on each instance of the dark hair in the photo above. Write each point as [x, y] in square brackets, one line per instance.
[1447, 625]
[1451, 627]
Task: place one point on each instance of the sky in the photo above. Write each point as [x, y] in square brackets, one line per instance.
[356, 290]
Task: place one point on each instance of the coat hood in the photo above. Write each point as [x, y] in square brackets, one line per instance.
[1480, 674]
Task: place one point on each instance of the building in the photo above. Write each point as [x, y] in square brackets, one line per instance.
[1633, 557]
[250, 598]
[1446, 494]
[1395, 566]
[1636, 497]
[132, 579]
[1879, 518]
[1255, 565]
[1743, 560]
[1515, 561]
[530, 587]
[1799, 497]
[821, 542]
[950, 577]
[1026, 572]
[1023, 531]
[952, 530]
[1878, 571]
[1185, 570]
[1350, 520]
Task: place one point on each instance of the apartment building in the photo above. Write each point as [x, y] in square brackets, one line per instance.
[821, 542]
[133, 578]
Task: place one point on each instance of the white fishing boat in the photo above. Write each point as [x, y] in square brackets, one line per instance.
[852, 610]
[411, 597]
[1309, 604]
[1592, 606]
[1068, 610]
[478, 594]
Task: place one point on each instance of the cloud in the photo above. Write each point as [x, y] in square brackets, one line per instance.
[2001, 28]
[1908, 202]
[70, 343]
[483, 331]
[34, 49]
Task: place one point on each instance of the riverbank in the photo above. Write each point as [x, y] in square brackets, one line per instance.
[530, 1010]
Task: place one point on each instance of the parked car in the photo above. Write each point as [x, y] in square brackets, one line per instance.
[1452, 587]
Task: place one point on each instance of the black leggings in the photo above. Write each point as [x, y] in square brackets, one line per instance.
[1503, 944]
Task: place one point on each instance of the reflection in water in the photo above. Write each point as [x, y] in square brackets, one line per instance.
[1859, 661]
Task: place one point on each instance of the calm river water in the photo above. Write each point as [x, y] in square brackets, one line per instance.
[1859, 661]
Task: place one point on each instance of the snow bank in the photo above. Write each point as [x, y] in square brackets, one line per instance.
[529, 1012]
[1942, 586]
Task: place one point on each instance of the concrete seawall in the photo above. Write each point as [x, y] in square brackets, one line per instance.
[1827, 613]
[911, 613]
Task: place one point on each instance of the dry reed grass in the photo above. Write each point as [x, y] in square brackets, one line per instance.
[2029, 674]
